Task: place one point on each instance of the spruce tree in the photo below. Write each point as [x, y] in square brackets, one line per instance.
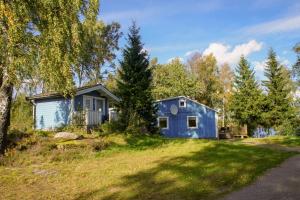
[246, 98]
[134, 85]
[278, 101]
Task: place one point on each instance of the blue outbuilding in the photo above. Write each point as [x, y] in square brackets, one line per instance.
[88, 107]
[183, 117]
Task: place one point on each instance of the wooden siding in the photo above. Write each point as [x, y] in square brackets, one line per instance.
[178, 123]
[52, 113]
[78, 102]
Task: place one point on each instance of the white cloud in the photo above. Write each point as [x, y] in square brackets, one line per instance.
[276, 26]
[173, 58]
[190, 53]
[259, 66]
[225, 54]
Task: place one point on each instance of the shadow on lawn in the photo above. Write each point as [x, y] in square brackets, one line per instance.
[144, 142]
[204, 174]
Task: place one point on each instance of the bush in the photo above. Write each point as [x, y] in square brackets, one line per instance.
[21, 114]
[110, 127]
[99, 145]
[289, 127]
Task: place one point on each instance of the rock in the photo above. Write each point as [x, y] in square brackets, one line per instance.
[44, 172]
[68, 135]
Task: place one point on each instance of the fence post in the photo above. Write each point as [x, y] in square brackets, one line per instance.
[86, 117]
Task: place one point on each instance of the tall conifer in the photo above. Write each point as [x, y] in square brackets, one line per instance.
[246, 98]
[134, 85]
[279, 99]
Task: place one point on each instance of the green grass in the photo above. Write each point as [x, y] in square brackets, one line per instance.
[132, 167]
[291, 141]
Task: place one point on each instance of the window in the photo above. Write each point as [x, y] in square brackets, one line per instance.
[182, 103]
[87, 103]
[192, 122]
[163, 122]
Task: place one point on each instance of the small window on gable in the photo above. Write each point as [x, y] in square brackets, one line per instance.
[192, 122]
[182, 103]
[163, 122]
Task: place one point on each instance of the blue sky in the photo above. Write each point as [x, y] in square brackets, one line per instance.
[226, 28]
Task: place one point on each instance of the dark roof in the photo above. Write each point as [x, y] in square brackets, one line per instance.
[59, 95]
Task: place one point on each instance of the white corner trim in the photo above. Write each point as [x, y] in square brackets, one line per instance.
[187, 122]
[167, 122]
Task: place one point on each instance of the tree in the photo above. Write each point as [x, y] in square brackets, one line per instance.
[111, 82]
[134, 85]
[226, 80]
[42, 40]
[246, 98]
[279, 98]
[205, 69]
[172, 79]
[296, 67]
[99, 44]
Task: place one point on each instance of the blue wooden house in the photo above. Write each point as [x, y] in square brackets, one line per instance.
[184, 117]
[89, 107]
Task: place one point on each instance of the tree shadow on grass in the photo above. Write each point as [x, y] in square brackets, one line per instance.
[204, 174]
[144, 142]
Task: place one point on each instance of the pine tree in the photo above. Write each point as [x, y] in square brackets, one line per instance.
[278, 101]
[134, 85]
[246, 98]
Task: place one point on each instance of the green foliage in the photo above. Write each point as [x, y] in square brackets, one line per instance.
[98, 47]
[21, 114]
[172, 79]
[111, 127]
[247, 97]
[206, 72]
[278, 103]
[134, 85]
[226, 81]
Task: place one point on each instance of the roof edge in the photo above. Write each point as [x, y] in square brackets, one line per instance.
[178, 97]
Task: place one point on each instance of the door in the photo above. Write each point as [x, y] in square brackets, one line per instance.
[100, 105]
[87, 103]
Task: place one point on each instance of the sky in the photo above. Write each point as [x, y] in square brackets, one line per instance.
[226, 28]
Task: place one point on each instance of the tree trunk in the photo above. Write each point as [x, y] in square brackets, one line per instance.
[5, 105]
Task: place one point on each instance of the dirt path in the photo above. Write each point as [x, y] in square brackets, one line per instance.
[280, 183]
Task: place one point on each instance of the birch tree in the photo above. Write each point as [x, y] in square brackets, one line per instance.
[42, 39]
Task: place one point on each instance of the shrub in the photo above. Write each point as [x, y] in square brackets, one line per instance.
[99, 145]
[110, 127]
[42, 133]
[21, 114]
[289, 127]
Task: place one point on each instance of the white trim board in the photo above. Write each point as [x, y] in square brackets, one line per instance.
[167, 122]
[171, 98]
[187, 122]
[98, 87]
[84, 97]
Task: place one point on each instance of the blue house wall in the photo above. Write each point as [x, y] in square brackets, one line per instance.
[52, 113]
[55, 112]
[178, 127]
[78, 101]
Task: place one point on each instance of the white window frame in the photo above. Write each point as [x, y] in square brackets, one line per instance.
[167, 122]
[103, 105]
[187, 122]
[85, 97]
[92, 102]
[182, 100]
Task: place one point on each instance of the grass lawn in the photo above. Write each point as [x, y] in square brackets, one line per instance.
[133, 168]
[291, 141]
